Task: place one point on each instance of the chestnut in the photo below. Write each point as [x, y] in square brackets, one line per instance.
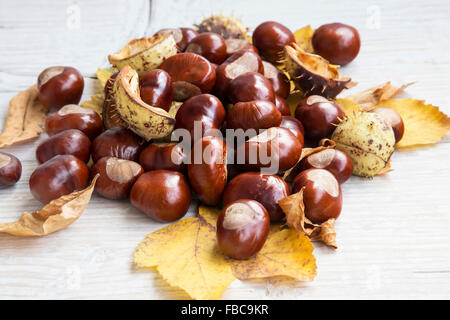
[71, 141]
[295, 126]
[242, 228]
[208, 169]
[205, 109]
[59, 86]
[239, 63]
[156, 89]
[159, 156]
[117, 142]
[234, 45]
[257, 114]
[117, 176]
[267, 189]
[282, 106]
[280, 82]
[10, 169]
[191, 68]
[72, 116]
[182, 36]
[394, 119]
[250, 86]
[319, 116]
[61, 175]
[270, 38]
[333, 160]
[277, 149]
[162, 195]
[337, 42]
[322, 195]
[209, 45]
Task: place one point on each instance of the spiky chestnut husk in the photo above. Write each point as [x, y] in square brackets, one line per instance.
[144, 54]
[312, 74]
[110, 116]
[227, 27]
[368, 140]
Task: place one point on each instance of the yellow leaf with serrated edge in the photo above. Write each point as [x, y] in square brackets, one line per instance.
[303, 37]
[286, 253]
[185, 253]
[350, 107]
[104, 74]
[95, 103]
[424, 123]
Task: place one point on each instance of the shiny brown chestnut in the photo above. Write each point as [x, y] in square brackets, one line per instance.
[234, 45]
[239, 63]
[257, 114]
[208, 169]
[319, 116]
[163, 156]
[116, 177]
[59, 86]
[204, 110]
[250, 86]
[71, 141]
[162, 195]
[156, 89]
[117, 142]
[394, 119]
[333, 160]
[280, 82]
[191, 68]
[182, 36]
[267, 189]
[276, 149]
[295, 126]
[270, 38]
[322, 195]
[242, 228]
[10, 169]
[209, 45]
[61, 175]
[337, 42]
[73, 116]
[282, 105]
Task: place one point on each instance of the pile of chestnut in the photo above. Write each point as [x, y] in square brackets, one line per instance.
[207, 73]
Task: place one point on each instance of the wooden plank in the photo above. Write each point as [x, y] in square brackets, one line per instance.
[393, 233]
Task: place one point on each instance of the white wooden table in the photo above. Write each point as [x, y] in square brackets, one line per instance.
[393, 234]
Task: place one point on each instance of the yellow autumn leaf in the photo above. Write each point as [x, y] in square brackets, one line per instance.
[185, 253]
[294, 99]
[350, 107]
[303, 37]
[286, 253]
[424, 123]
[95, 103]
[104, 74]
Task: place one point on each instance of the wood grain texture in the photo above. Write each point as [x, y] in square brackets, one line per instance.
[393, 232]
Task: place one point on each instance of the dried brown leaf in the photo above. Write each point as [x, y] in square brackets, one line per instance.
[371, 97]
[55, 216]
[294, 209]
[25, 119]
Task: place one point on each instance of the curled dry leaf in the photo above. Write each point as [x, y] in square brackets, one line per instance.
[25, 119]
[371, 97]
[424, 123]
[185, 253]
[294, 209]
[55, 216]
[303, 38]
[324, 144]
